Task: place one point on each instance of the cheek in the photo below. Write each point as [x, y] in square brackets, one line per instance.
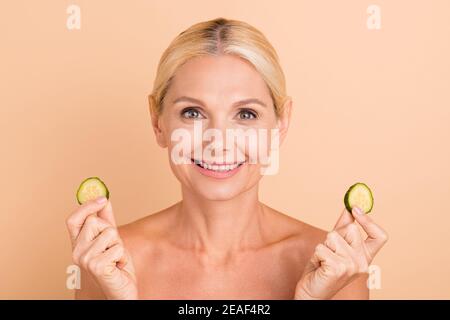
[181, 143]
[179, 149]
[183, 173]
[257, 145]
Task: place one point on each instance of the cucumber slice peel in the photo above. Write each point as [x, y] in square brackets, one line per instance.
[359, 195]
[90, 189]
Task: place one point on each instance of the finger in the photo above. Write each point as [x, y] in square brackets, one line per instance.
[315, 261]
[337, 244]
[352, 235]
[76, 220]
[312, 264]
[123, 260]
[108, 238]
[352, 249]
[345, 219]
[105, 264]
[116, 254]
[334, 264]
[324, 254]
[377, 237]
[91, 228]
[107, 214]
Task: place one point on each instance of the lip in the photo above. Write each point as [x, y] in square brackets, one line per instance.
[218, 174]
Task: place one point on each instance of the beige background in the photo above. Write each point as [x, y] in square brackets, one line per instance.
[370, 105]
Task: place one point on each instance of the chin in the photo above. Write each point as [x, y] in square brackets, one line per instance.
[218, 192]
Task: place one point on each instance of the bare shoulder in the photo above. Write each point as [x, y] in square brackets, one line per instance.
[143, 234]
[295, 233]
[295, 242]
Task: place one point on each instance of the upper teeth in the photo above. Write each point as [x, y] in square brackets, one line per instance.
[217, 167]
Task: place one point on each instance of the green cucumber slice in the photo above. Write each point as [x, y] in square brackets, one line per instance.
[359, 195]
[90, 189]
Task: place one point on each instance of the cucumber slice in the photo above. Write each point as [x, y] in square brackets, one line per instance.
[359, 195]
[90, 189]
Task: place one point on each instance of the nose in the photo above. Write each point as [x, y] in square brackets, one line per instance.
[215, 133]
[218, 121]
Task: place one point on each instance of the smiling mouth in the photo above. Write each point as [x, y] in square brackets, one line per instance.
[217, 167]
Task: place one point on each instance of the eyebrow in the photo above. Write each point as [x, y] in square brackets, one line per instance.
[236, 104]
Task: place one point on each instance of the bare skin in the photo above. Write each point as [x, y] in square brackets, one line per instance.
[171, 264]
[220, 241]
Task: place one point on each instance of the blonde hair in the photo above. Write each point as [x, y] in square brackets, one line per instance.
[216, 37]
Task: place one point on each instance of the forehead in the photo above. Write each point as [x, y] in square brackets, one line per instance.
[224, 77]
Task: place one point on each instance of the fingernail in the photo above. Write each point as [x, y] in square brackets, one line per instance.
[357, 211]
[101, 200]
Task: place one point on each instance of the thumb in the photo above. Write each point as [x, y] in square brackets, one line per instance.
[107, 214]
[345, 219]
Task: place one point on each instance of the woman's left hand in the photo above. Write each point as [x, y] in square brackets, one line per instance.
[342, 257]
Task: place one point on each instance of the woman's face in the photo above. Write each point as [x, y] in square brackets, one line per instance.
[206, 113]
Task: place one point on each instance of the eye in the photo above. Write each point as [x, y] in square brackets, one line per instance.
[247, 114]
[191, 113]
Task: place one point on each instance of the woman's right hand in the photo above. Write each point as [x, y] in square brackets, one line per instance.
[98, 249]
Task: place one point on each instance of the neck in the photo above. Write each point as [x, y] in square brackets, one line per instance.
[220, 227]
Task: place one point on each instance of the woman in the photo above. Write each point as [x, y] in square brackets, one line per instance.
[220, 241]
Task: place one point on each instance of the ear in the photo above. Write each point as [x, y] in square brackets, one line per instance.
[284, 119]
[155, 118]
